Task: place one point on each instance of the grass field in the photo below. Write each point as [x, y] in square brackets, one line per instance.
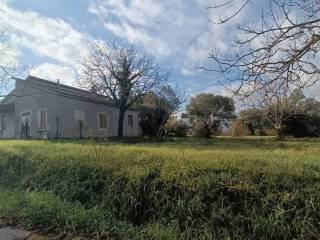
[224, 188]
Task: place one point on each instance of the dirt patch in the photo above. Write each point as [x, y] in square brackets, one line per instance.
[13, 234]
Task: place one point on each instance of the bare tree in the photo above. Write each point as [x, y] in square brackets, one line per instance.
[7, 67]
[240, 5]
[276, 104]
[121, 74]
[281, 50]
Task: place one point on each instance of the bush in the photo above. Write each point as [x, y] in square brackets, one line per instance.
[239, 129]
[176, 128]
[302, 125]
[200, 131]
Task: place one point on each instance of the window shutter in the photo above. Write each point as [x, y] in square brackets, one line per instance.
[103, 120]
[43, 119]
[130, 120]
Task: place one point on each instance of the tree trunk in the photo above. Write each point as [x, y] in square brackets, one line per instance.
[279, 127]
[120, 122]
[207, 133]
[280, 133]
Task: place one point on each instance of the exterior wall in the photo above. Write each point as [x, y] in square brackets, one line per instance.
[63, 109]
[70, 126]
[127, 129]
[9, 132]
[31, 101]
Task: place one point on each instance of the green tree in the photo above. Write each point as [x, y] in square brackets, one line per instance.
[208, 113]
[254, 121]
[290, 113]
[306, 120]
[156, 109]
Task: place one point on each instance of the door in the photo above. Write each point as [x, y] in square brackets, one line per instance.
[4, 121]
[7, 129]
[26, 125]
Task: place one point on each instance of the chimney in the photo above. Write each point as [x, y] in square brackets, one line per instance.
[58, 82]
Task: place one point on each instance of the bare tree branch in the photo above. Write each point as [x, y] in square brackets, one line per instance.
[8, 68]
[118, 72]
[284, 47]
[228, 4]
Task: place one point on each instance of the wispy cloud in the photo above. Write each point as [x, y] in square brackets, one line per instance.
[49, 71]
[169, 29]
[177, 32]
[164, 28]
[46, 37]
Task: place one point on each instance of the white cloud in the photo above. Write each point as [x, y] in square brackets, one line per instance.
[48, 37]
[313, 91]
[176, 31]
[164, 28]
[53, 72]
[138, 12]
[187, 71]
[168, 29]
[134, 35]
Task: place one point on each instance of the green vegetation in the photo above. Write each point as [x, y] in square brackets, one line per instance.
[224, 188]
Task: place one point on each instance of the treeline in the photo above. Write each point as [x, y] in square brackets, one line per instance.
[300, 117]
[208, 115]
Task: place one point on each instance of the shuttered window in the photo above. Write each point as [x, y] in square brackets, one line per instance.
[103, 122]
[130, 120]
[43, 118]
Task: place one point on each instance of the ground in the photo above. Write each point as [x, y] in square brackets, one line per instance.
[221, 188]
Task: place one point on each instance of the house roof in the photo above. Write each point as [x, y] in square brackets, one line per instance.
[62, 90]
[7, 107]
[65, 91]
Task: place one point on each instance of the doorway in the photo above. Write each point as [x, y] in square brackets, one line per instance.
[26, 125]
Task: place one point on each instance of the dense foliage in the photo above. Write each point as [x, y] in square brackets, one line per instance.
[156, 109]
[209, 113]
[176, 127]
[300, 119]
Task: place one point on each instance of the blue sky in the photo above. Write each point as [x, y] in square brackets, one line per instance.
[51, 36]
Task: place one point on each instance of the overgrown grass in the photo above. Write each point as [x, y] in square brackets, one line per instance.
[225, 188]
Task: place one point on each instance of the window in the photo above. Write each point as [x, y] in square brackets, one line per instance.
[25, 114]
[43, 118]
[103, 123]
[26, 124]
[130, 120]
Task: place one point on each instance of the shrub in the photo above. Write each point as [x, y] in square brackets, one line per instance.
[176, 128]
[200, 131]
[302, 125]
[239, 129]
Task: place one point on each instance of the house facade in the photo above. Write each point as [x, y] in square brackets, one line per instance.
[41, 109]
